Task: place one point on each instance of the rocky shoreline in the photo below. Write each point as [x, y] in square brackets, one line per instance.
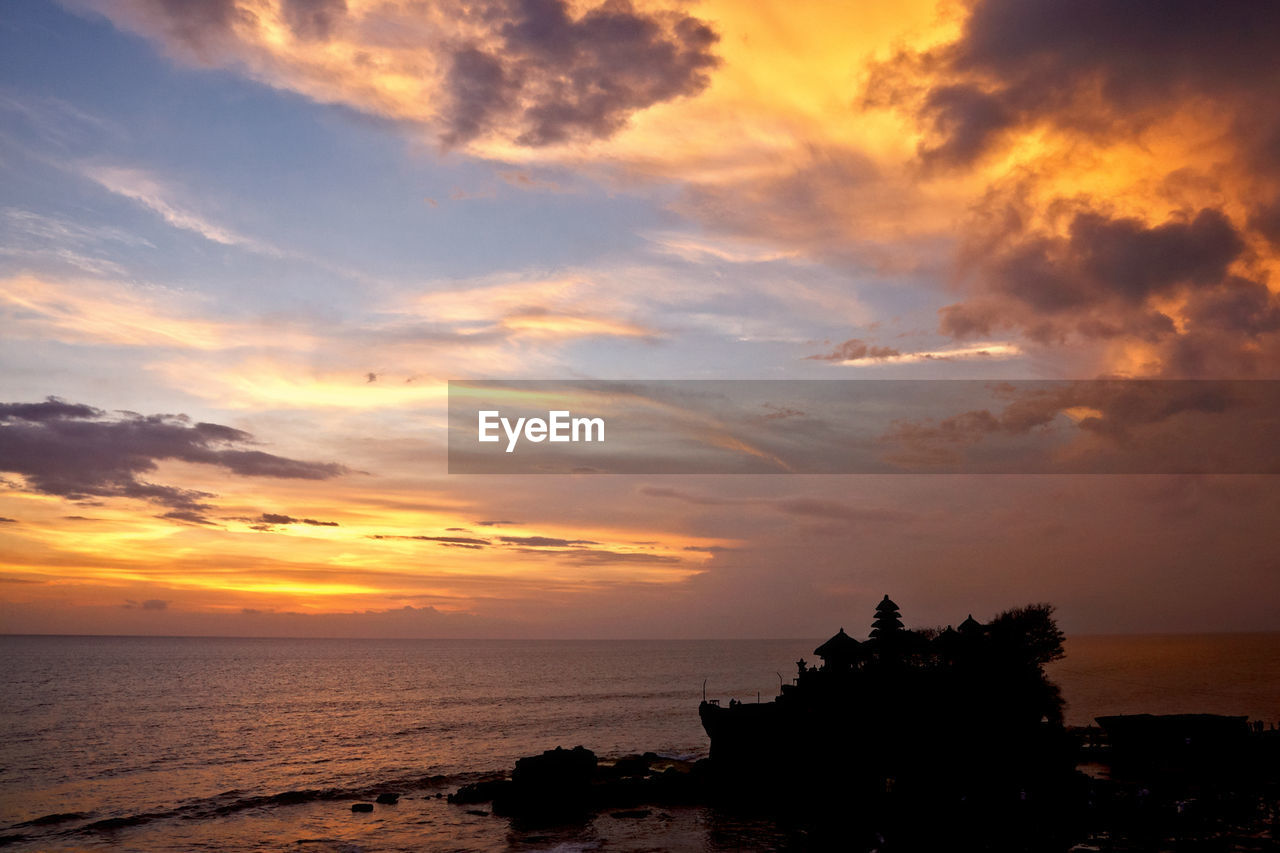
[563, 783]
[1114, 806]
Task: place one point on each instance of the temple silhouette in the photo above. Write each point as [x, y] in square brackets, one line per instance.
[957, 714]
[932, 739]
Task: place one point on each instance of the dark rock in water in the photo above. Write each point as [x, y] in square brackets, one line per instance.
[554, 784]
[362, 807]
[438, 796]
[479, 792]
[478, 812]
[388, 799]
[557, 766]
[569, 784]
[633, 765]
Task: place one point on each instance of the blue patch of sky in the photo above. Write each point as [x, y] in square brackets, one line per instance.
[314, 181]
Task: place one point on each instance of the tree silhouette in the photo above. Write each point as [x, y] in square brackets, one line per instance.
[1028, 633]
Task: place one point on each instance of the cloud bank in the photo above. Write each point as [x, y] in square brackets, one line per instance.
[79, 452]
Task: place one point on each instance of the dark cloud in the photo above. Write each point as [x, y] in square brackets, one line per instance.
[968, 119]
[148, 604]
[1237, 306]
[1109, 278]
[1103, 260]
[191, 516]
[574, 549]
[1265, 219]
[495, 523]
[1094, 68]
[79, 452]
[855, 349]
[538, 72]
[1125, 257]
[481, 91]
[51, 409]
[1138, 425]
[543, 541]
[465, 541]
[554, 76]
[972, 319]
[1094, 73]
[4, 520]
[600, 556]
[269, 518]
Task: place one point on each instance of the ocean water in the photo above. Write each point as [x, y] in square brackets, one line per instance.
[215, 744]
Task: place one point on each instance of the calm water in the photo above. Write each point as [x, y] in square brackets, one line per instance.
[185, 743]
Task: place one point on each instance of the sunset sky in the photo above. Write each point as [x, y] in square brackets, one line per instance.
[245, 243]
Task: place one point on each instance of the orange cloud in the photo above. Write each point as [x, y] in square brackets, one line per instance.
[115, 313]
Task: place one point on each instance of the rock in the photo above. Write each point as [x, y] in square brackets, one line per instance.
[479, 792]
[388, 799]
[556, 783]
[362, 807]
[633, 814]
[478, 812]
[557, 766]
[632, 765]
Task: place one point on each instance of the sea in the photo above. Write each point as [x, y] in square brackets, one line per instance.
[158, 744]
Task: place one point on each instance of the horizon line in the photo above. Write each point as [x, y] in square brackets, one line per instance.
[525, 639]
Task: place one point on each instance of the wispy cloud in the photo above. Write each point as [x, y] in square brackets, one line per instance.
[855, 352]
[116, 313]
[35, 238]
[700, 249]
[151, 193]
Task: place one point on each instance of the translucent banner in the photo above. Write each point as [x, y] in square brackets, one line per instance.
[864, 427]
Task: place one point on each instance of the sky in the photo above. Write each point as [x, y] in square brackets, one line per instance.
[244, 245]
